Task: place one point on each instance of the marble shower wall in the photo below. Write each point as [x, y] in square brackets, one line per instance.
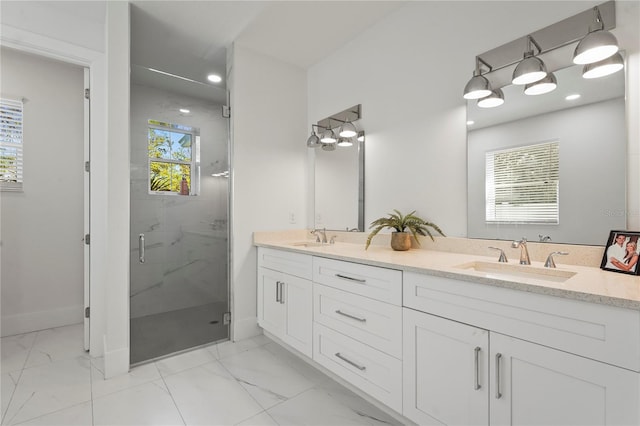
[186, 251]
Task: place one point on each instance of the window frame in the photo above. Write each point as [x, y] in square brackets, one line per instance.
[537, 213]
[16, 132]
[194, 163]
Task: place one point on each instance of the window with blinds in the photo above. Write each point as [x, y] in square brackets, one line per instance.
[522, 184]
[11, 162]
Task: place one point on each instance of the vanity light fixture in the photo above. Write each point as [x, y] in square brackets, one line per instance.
[361, 136]
[348, 130]
[546, 85]
[313, 141]
[596, 45]
[328, 137]
[478, 87]
[604, 67]
[496, 98]
[531, 68]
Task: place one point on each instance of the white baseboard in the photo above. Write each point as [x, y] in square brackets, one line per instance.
[34, 321]
[116, 361]
[244, 328]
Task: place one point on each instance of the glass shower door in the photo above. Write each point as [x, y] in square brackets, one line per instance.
[179, 224]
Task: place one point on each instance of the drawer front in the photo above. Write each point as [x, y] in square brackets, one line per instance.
[604, 333]
[372, 322]
[370, 281]
[296, 264]
[376, 373]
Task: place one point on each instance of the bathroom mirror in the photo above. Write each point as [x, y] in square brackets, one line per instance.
[591, 133]
[339, 188]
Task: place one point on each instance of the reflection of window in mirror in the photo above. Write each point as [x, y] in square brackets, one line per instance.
[172, 150]
[11, 148]
[522, 184]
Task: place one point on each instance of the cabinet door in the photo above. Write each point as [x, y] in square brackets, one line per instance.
[537, 385]
[298, 301]
[445, 371]
[271, 312]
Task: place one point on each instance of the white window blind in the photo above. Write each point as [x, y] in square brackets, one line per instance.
[11, 161]
[522, 184]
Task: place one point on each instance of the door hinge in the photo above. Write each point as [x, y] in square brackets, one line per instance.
[226, 111]
[226, 318]
[87, 93]
[87, 166]
[87, 312]
[87, 239]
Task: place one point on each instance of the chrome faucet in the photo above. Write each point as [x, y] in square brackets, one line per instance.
[524, 253]
[550, 263]
[318, 232]
[544, 238]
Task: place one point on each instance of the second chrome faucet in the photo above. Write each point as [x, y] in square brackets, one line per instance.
[524, 253]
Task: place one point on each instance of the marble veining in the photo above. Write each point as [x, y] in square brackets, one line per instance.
[589, 284]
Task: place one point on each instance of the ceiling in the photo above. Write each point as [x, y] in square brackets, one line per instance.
[190, 38]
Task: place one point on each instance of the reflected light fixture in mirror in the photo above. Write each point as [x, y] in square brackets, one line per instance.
[328, 137]
[605, 67]
[546, 85]
[343, 142]
[496, 98]
[348, 130]
[344, 122]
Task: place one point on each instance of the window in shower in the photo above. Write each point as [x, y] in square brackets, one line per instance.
[174, 154]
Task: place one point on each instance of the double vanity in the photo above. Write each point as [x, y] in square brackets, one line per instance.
[443, 337]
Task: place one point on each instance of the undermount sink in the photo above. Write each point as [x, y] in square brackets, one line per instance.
[308, 244]
[508, 271]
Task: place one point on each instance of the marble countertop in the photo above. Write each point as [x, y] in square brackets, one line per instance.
[589, 284]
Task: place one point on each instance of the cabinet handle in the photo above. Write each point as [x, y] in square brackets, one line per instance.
[476, 379]
[278, 291]
[345, 277]
[498, 394]
[348, 361]
[339, 312]
[141, 247]
[282, 292]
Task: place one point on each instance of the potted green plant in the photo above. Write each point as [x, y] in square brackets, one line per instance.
[400, 238]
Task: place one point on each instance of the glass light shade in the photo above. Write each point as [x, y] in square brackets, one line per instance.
[348, 130]
[529, 70]
[345, 142]
[496, 98]
[478, 87]
[605, 67]
[546, 85]
[328, 137]
[313, 141]
[594, 47]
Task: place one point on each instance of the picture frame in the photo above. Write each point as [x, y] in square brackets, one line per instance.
[621, 253]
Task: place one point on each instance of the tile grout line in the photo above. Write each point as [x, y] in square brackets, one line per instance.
[170, 394]
[18, 379]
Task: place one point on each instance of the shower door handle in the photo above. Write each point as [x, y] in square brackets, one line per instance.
[141, 247]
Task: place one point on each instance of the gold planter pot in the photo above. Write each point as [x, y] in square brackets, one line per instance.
[400, 241]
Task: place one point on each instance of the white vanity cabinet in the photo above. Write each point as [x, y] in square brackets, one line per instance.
[358, 326]
[285, 297]
[477, 354]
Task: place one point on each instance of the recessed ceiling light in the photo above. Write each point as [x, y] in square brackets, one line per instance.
[214, 78]
[572, 97]
[184, 111]
[470, 122]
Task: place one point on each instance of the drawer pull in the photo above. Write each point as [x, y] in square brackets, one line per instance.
[498, 393]
[345, 277]
[339, 312]
[278, 291]
[348, 361]
[476, 379]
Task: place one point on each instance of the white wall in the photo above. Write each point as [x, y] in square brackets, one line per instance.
[42, 227]
[408, 72]
[268, 113]
[592, 181]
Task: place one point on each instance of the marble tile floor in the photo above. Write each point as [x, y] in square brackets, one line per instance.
[47, 379]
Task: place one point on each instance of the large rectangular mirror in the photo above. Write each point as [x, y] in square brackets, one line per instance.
[590, 132]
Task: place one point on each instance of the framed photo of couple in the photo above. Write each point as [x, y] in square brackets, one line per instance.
[622, 252]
